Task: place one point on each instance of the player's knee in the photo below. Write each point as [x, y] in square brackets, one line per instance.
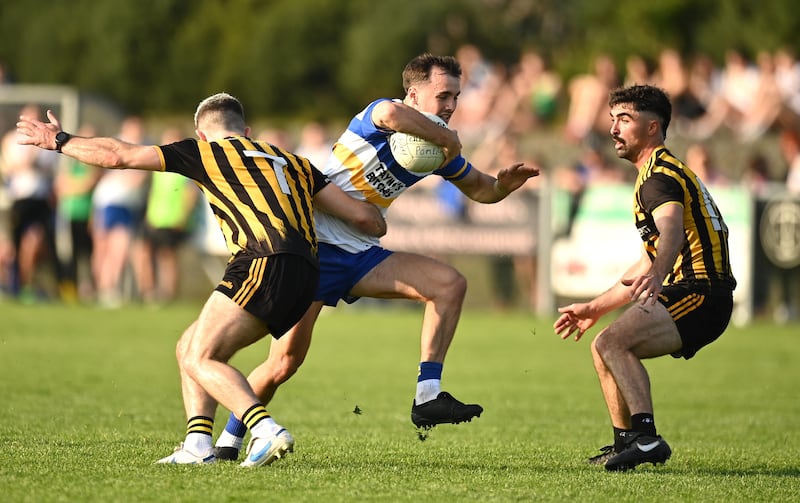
[183, 343]
[189, 365]
[606, 343]
[452, 287]
[597, 356]
[284, 368]
[180, 351]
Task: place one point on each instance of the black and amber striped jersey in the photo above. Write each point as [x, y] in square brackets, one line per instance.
[704, 255]
[260, 194]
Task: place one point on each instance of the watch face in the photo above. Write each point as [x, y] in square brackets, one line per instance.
[61, 139]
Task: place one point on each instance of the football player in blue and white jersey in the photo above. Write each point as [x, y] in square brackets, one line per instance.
[354, 265]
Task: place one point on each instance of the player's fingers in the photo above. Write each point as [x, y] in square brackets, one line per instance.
[53, 119]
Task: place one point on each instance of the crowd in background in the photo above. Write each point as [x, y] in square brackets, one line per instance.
[114, 236]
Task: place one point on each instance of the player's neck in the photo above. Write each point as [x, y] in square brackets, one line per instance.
[645, 153]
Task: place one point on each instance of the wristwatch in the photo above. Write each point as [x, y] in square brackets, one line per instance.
[61, 139]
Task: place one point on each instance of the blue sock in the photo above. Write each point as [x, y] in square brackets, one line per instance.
[429, 382]
[430, 370]
[233, 434]
[235, 427]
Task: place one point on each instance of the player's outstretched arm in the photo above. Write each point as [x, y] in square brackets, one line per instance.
[484, 188]
[577, 318]
[103, 152]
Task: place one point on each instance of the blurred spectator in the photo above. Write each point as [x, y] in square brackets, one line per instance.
[538, 89]
[767, 108]
[638, 71]
[74, 186]
[479, 88]
[756, 175]
[788, 308]
[738, 84]
[595, 167]
[314, 144]
[756, 179]
[28, 176]
[118, 207]
[787, 75]
[587, 112]
[790, 148]
[704, 85]
[511, 276]
[699, 159]
[5, 78]
[6, 264]
[525, 267]
[592, 168]
[673, 76]
[278, 137]
[749, 101]
[171, 205]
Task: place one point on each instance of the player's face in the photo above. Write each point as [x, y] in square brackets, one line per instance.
[438, 96]
[628, 130]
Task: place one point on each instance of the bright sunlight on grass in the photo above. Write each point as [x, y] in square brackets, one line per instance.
[91, 399]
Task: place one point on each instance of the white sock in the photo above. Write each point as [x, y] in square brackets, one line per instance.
[427, 390]
[227, 439]
[198, 443]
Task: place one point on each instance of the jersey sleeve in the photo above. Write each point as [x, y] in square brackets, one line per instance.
[183, 157]
[659, 189]
[319, 180]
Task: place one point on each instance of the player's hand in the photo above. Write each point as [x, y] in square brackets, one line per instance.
[451, 148]
[575, 319]
[31, 131]
[644, 288]
[511, 178]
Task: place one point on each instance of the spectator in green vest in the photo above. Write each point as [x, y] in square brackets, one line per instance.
[171, 207]
[74, 187]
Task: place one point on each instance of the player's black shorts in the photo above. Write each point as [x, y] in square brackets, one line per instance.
[165, 238]
[277, 289]
[26, 213]
[701, 313]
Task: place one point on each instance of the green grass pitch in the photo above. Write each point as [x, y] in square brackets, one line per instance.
[91, 398]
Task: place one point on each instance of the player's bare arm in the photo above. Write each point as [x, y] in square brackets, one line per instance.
[364, 216]
[103, 152]
[648, 284]
[400, 117]
[577, 318]
[485, 188]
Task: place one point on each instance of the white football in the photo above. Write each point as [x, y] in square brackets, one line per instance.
[416, 154]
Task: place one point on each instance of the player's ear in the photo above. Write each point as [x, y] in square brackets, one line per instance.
[655, 127]
[200, 134]
[412, 96]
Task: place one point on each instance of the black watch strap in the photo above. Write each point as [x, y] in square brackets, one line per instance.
[62, 138]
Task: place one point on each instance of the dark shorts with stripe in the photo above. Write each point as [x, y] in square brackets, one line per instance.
[700, 312]
[276, 289]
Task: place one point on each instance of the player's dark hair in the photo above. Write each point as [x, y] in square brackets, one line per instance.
[419, 68]
[644, 98]
[227, 111]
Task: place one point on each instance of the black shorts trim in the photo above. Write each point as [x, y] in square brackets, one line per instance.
[278, 289]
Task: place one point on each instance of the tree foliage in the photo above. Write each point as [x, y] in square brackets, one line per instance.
[322, 58]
